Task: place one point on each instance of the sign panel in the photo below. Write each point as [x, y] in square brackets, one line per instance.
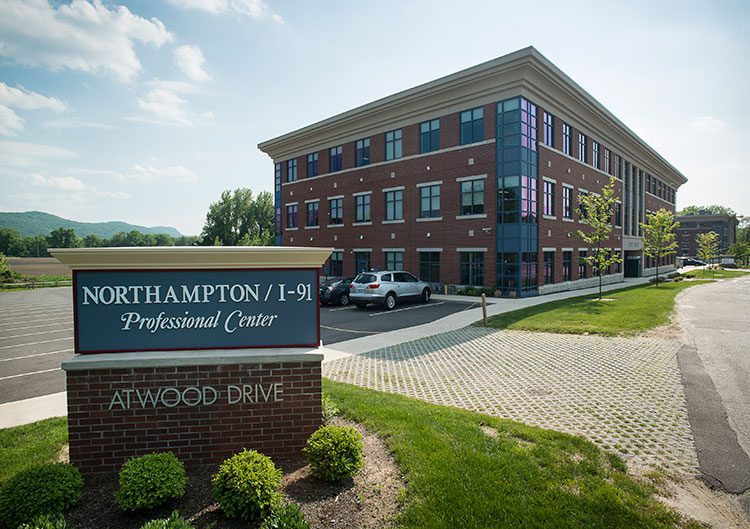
[158, 310]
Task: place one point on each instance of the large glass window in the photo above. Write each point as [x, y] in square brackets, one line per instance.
[549, 198]
[429, 201]
[528, 271]
[549, 129]
[567, 266]
[335, 158]
[618, 167]
[566, 138]
[567, 203]
[394, 205]
[393, 149]
[618, 214]
[472, 268]
[472, 126]
[429, 136]
[336, 211]
[528, 199]
[362, 208]
[291, 170]
[472, 197]
[582, 267]
[336, 264]
[312, 164]
[595, 152]
[312, 213]
[394, 260]
[581, 206]
[607, 166]
[277, 168]
[508, 272]
[549, 268]
[361, 262]
[429, 266]
[582, 152]
[362, 152]
[291, 216]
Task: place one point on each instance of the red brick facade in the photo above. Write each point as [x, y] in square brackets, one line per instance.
[102, 439]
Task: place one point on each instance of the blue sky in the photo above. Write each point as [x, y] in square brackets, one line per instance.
[146, 111]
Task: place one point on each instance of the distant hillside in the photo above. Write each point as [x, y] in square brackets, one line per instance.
[31, 223]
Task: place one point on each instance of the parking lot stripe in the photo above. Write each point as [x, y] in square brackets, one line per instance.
[33, 334]
[408, 308]
[36, 354]
[340, 308]
[31, 373]
[28, 310]
[16, 322]
[35, 343]
[346, 330]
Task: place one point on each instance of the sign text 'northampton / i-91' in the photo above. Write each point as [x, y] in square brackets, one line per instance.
[151, 310]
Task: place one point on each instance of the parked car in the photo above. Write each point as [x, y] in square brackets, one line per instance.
[335, 291]
[387, 288]
[693, 262]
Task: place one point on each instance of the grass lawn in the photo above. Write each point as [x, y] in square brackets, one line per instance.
[717, 274]
[631, 311]
[30, 444]
[516, 476]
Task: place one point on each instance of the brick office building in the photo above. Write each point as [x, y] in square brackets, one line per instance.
[725, 227]
[471, 179]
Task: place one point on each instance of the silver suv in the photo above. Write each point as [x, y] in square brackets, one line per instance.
[385, 288]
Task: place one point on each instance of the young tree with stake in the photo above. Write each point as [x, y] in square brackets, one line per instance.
[659, 239]
[708, 247]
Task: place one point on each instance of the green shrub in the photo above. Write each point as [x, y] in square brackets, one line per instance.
[476, 291]
[330, 410]
[334, 452]
[286, 517]
[247, 485]
[150, 480]
[175, 521]
[47, 521]
[43, 489]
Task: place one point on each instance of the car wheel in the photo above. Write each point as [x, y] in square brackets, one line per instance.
[344, 299]
[425, 295]
[390, 301]
[361, 305]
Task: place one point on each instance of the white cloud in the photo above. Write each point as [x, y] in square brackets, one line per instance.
[707, 124]
[23, 154]
[190, 60]
[63, 183]
[75, 124]
[69, 188]
[164, 106]
[176, 173]
[250, 8]
[178, 87]
[83, 35]
[28, 100]
[10, 122]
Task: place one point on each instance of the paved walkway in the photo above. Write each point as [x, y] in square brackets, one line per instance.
[624, 394]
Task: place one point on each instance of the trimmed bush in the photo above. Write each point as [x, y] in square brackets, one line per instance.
[43, 489]
[47, 521]
[286, 517]
[175, 521]
[247, 485]
[150, 480]
[335, 452]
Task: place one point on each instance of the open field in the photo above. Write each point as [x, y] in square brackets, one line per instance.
[38, 266]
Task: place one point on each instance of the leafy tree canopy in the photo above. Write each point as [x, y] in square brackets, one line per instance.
[707, 210]
[239, 219]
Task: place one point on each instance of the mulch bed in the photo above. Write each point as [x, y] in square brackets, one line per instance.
[369, 501]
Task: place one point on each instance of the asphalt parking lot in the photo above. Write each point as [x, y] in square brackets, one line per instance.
[36, 334]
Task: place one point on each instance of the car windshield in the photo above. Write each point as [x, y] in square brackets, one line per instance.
[365, 278]
[331, 282]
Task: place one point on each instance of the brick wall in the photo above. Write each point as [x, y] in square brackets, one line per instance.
[101, 440]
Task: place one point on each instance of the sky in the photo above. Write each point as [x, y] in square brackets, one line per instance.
[145, 111]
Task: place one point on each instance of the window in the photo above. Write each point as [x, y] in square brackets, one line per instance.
[618, 265]
[567, 266]
[549, 268]
[472, 126]
[394, 260]
[549, 198]
[472, 268]
[528, 271]
[335, 159]
[582, 147]
[549, 129]
[582, 269]
[566, 139]
[429, 136]
[291, 216]
[581, 206]
[362, 152]
[394, 205]
[429, 201]
[618, 167]
[336, 211]
[393, 145]
[567, 203]
[312, 213]
[607, 167]
[336, 264]
[472, 197]
[312, 164]
[362, 208]
[595, 150]
[429, 266]
[361, 262]
[618, 214]
[507, 272]
[291, 170]
[528, 199]
[277, 169]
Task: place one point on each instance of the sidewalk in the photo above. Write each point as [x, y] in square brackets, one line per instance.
[37, 408]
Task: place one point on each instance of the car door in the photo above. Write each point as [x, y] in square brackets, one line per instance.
[411, 284]
[402, 286]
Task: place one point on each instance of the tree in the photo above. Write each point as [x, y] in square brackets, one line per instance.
[708, 246]
[740, 251]
[239, 219]
[11, 242]
[63, 238]
[93, 241]
[598, 215]
[35, 246]
[707, 210]
[659, 239]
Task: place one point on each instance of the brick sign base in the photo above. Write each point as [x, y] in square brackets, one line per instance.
[204, 406]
